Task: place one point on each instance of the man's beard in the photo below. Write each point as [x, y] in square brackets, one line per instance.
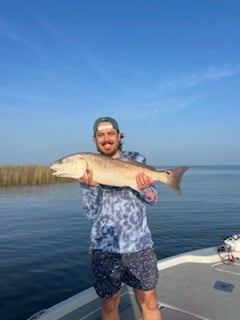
[112, 153]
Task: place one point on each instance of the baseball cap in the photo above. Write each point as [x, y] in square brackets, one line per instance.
[105, 119]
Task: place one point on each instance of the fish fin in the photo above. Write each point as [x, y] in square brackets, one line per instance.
[174, 177]
[82, 166]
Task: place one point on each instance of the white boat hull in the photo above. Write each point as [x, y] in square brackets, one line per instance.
[194, 285]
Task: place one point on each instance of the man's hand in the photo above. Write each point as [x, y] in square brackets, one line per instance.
[144, 181]
[88, 179]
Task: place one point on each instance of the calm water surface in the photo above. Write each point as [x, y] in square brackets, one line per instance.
[44, 235]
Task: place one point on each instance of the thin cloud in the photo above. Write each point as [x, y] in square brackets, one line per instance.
[49, 28]
[22, 95]
[196, 78]
[22, 41]
[37, 49]
[85, 54]
[158, 108]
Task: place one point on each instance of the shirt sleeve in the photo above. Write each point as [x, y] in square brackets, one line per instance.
[149, 195]
[92, 200]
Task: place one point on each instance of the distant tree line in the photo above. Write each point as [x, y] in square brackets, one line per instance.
[21, 175]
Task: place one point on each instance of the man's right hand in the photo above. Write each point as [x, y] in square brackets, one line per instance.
[88, 179]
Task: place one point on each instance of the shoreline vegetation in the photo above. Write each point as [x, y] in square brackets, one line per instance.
[23, 175]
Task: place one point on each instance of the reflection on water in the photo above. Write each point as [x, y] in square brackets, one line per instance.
[41, 191]
[44, 236]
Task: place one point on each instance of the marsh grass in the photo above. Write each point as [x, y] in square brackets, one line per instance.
[27, 175]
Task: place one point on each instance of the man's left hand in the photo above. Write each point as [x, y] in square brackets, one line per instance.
[144, 181]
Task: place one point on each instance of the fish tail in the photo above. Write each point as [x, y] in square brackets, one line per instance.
[173, 178]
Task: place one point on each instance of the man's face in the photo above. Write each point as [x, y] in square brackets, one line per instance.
[107, 139]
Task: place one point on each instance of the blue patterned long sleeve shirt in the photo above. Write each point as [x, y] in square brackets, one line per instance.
[118, 215]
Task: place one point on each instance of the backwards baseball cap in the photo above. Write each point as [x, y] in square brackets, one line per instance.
[113, 124]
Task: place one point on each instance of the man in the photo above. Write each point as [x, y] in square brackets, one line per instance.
[121, 249]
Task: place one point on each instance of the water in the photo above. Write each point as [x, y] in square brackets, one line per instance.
[44, 235]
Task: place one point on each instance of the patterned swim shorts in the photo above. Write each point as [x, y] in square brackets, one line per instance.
[110, 270]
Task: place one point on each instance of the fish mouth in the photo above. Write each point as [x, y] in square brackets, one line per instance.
[54, 171]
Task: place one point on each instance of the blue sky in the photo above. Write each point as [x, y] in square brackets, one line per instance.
[168, 71]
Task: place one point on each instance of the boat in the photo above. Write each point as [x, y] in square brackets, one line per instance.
[201, 284]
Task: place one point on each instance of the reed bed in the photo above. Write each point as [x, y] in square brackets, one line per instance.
[21, 175]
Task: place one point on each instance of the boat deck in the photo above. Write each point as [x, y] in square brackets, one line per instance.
[201, 290]
[192, 286]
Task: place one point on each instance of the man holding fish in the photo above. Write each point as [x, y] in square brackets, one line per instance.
[121, 249]
[116, 185]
